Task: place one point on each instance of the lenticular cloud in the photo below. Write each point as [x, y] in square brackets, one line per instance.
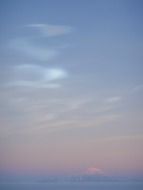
[35, 75]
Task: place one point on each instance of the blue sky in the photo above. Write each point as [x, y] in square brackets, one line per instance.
[71, 85]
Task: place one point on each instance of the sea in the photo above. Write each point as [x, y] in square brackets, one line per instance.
[74, 186]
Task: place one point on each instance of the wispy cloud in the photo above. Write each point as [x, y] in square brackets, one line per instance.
[137, 88]
[77, 104]
[47, 30]
[38, 53]
[94, 171]
[74, 111]
[30, 75]
[113, 99]
[105, 119]
[109, 104]
[27, 45]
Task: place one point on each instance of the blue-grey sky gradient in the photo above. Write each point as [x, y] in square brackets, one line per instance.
[71, 86]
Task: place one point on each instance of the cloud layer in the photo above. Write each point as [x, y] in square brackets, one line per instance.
[47, 30]
[30, 75]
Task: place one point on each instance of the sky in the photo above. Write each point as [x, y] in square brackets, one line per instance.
[71, 87]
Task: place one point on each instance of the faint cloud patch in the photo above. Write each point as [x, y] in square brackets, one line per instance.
[94, 171]
[113, 99]
[29, 47]
[47, 30]
[137, 88]
[30, 75]
[79, 104]
[109, 104]
[24, 46]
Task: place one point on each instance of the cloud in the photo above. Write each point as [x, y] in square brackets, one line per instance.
[113, 99]
[105, 119]
[108, 104]
[25, 46]
[78, 103]
[137, 88]
[30, 75]
[94, 171]
[55, 74]
[105, 108]
[47, 30]
[30, 47]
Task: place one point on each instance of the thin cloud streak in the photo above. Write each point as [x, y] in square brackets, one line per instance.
[30, 75]
[137, 88]
[47, 30]
[114, 99]
[26, 48]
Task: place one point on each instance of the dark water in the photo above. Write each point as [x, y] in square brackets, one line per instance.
[76, 186]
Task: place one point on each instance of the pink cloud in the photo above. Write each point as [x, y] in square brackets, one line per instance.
[94, 171]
